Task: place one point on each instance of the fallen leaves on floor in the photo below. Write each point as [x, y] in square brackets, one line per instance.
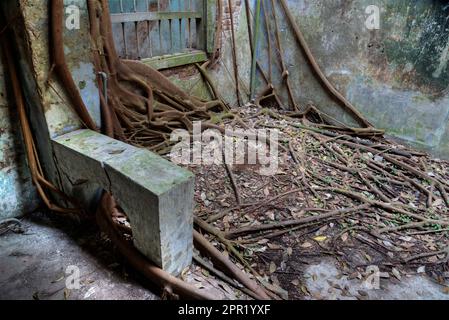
[363, 201]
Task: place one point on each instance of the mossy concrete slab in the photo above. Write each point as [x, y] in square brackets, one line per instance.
[156, 194]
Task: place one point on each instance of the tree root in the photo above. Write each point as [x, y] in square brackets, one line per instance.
[208, 249]
[138, 261]
[293, 223]
[36, 171]
[328, 86]
[60, 66]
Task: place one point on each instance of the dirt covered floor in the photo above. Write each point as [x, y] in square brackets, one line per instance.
[378, 211]
[45, 253]
[342, 218]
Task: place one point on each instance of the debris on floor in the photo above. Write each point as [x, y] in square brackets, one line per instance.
[40, 263]
[346, 214]
[370, 204]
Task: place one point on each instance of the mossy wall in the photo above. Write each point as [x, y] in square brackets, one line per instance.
[17, 194]
[398, 76]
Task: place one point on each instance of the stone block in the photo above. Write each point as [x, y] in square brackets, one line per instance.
[156, 194]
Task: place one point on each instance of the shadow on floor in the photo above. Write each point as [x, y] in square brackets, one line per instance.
[38, 263]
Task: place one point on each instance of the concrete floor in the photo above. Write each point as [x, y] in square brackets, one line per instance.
[324, 281]
[33, 265]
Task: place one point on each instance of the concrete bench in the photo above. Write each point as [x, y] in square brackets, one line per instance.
[156, 194]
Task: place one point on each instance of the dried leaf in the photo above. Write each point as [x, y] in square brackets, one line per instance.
[406, 239]
[199, 285]
[273, 267]
[306, 245]
[378, 159]
[275, 280]
[437, 203]
[396, 273]
[355, 275]
[274, 246]
[184, 273]
[295, 282]
[368, 257]
[66, 294]
[59, 279]
[305, 290]
[320, 238]
[363, 293]
[266, 191]
[205, 273]
[225, 204]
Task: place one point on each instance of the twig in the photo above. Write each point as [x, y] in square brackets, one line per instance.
[234, 183]
[290, 223]
[7, 222]
[425, 255]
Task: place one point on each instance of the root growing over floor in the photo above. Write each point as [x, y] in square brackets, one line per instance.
[142, 107]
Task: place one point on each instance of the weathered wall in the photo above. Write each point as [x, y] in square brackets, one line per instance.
[60, 117]
[223, 74]
[46, 99]
[397, 76]
[17, 194]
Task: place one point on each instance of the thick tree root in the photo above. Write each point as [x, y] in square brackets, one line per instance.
[138, 261]
[326, 83]
[37, 175]
[60, 66]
